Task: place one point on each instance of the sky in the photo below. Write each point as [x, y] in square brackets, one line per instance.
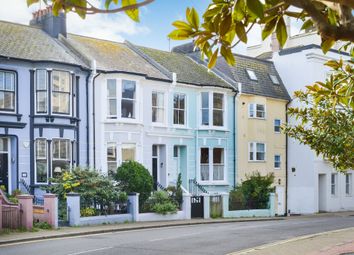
[152, 30]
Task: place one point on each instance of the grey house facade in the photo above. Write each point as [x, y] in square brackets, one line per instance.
[43, 106]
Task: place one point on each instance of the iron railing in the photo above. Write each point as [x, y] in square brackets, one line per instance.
[195, 188]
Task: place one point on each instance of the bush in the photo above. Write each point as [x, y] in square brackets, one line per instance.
[252, 193]
[177, 192]
[94, 188]
[42, 225]
[87, 212]
[134, 177]
[161, 203]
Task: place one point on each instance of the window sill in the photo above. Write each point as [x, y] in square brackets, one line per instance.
[213, 128]
[159, 125]
[11, 114]
[257, 161]
[256, 118]
[122, 121]
[214, 183]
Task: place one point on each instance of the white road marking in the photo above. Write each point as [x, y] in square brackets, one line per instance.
[88, 251]
[174, 237]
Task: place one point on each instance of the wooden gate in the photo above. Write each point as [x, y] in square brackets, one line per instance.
[11, 216]
[197, 206]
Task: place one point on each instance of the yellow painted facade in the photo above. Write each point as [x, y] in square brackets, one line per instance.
[261, 130]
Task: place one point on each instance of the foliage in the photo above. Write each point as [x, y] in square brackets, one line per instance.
[88, 211]
[134, 177]
[161, 203]
[253, 193]
[94, 189]
[11, 197]
[326, 121]
[225, 22]
[42, 225]
[84, 7]
[176, 193]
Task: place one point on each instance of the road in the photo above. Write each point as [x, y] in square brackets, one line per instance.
[195, 239]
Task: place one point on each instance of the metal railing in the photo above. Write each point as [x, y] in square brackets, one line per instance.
[25, 185]
[195, 188]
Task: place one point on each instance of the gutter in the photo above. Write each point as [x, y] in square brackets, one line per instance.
[286, 161]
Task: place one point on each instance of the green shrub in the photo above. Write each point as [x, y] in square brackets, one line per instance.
[161, 203]
[253, 193]
[134, 177]
[87, 212]
[42, 225]
[177, 192]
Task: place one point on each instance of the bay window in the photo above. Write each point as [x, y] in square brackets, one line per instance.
[128, 99]
[41, 161]
[257, 151]
[212, 108]
[158, 109]
[7, 91]
[61, 160]
[212, 166]
[179, 109]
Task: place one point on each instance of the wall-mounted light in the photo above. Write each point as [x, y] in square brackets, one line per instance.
[161, 164]
[293, 169]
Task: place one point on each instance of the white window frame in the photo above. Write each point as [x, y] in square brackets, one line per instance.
[275, 161]
[116, 155]
[252, 107]
[114, 97]
[274, 79]
[251, 75]
[118, 97]
[41, 158]
[211, 166]
[211, 110]
[60, 159]
[334, 184]
[70, 113]
[179, 109]
[14, 91]
[254, 152]
[348, 184]
[163, 107]
[275, 126]
[134, 100]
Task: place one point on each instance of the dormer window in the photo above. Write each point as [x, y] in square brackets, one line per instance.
[274, 79]
[251, 75]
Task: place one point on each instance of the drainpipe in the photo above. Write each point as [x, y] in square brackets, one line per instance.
[236, 97]
[286, 162]
[95, 75]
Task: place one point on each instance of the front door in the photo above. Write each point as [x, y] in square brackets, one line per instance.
[155, 165]
[4, 164]
[280, 203]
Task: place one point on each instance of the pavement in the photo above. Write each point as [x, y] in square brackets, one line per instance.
[321, 234]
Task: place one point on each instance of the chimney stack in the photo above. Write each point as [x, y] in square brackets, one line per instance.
[53, 25]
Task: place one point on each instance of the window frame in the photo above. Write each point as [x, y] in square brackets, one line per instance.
[277, 161]
[211, 110]
[254, 152]
[252, 107]
[69, 153]
[108, 98]
[179, 109]
[348, 184]
[211, 165]
[251, 75]
[68, 93]
[134, 100]
[334, 184]
[157, 107]
[274, 79]
[14, 92]
[42, 158]
[275, 126]
[116, 156]
[128, 146]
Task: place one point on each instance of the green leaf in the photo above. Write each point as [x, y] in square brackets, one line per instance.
[256, 7]
[107, 4]
[213, 59]
[193, 18]
[182, 25]
[228, 56]
[327, 44]
[134, 13]
[30, 2]
[179, 34]
[241, 32]
[269, 28]
[282, 34]
[225, 25]
[239, 10]
[307, 24]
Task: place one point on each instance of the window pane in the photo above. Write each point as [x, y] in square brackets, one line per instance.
[61, 102]
[204, 172]
[260, 147]
[128, 152]
[64, 149]
[111, 152]
[218, 100]
[218, 118]
[41, 79]
[160, 115]
[260, 111]
[181, 117]
[205, 100]
[61, 81]
[128, 109]
[218, 156]
[2, 84]
[251, 151]
[251, 110]
[41, 101]
[111, 88]
[182, 101]
[154, 98]
[9, 100]
[128, 89]
[154, 150]
[205, 117]
[175, 116]
[260, 155]
[176, 101]
[204, 155]
[3, 144]
[9, 81]
[41, 171]
[112, 107]
[59, 166]
[41, 148]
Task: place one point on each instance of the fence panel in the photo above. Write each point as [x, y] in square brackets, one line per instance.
[11, 216]
[216, 206]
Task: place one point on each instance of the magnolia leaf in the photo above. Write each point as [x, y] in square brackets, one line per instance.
[225, 25]
[238, 13]
[134, 13]
[307, 24]
[179, 34]
[30, 2]
[228, 56]
[182, 25]
[241, 32]
[256, 7]
[193, 18]
[282, 34]
[327, 44]
[269, 28]
[213, 59]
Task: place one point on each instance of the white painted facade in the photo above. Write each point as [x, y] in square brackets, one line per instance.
[310, 189]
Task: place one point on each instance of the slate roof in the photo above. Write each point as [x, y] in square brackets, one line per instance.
[31, 43]
[262, 68]
[114, 56]
[187, 70]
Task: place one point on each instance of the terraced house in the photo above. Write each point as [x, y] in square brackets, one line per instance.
[43, 88]
[163, 110]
